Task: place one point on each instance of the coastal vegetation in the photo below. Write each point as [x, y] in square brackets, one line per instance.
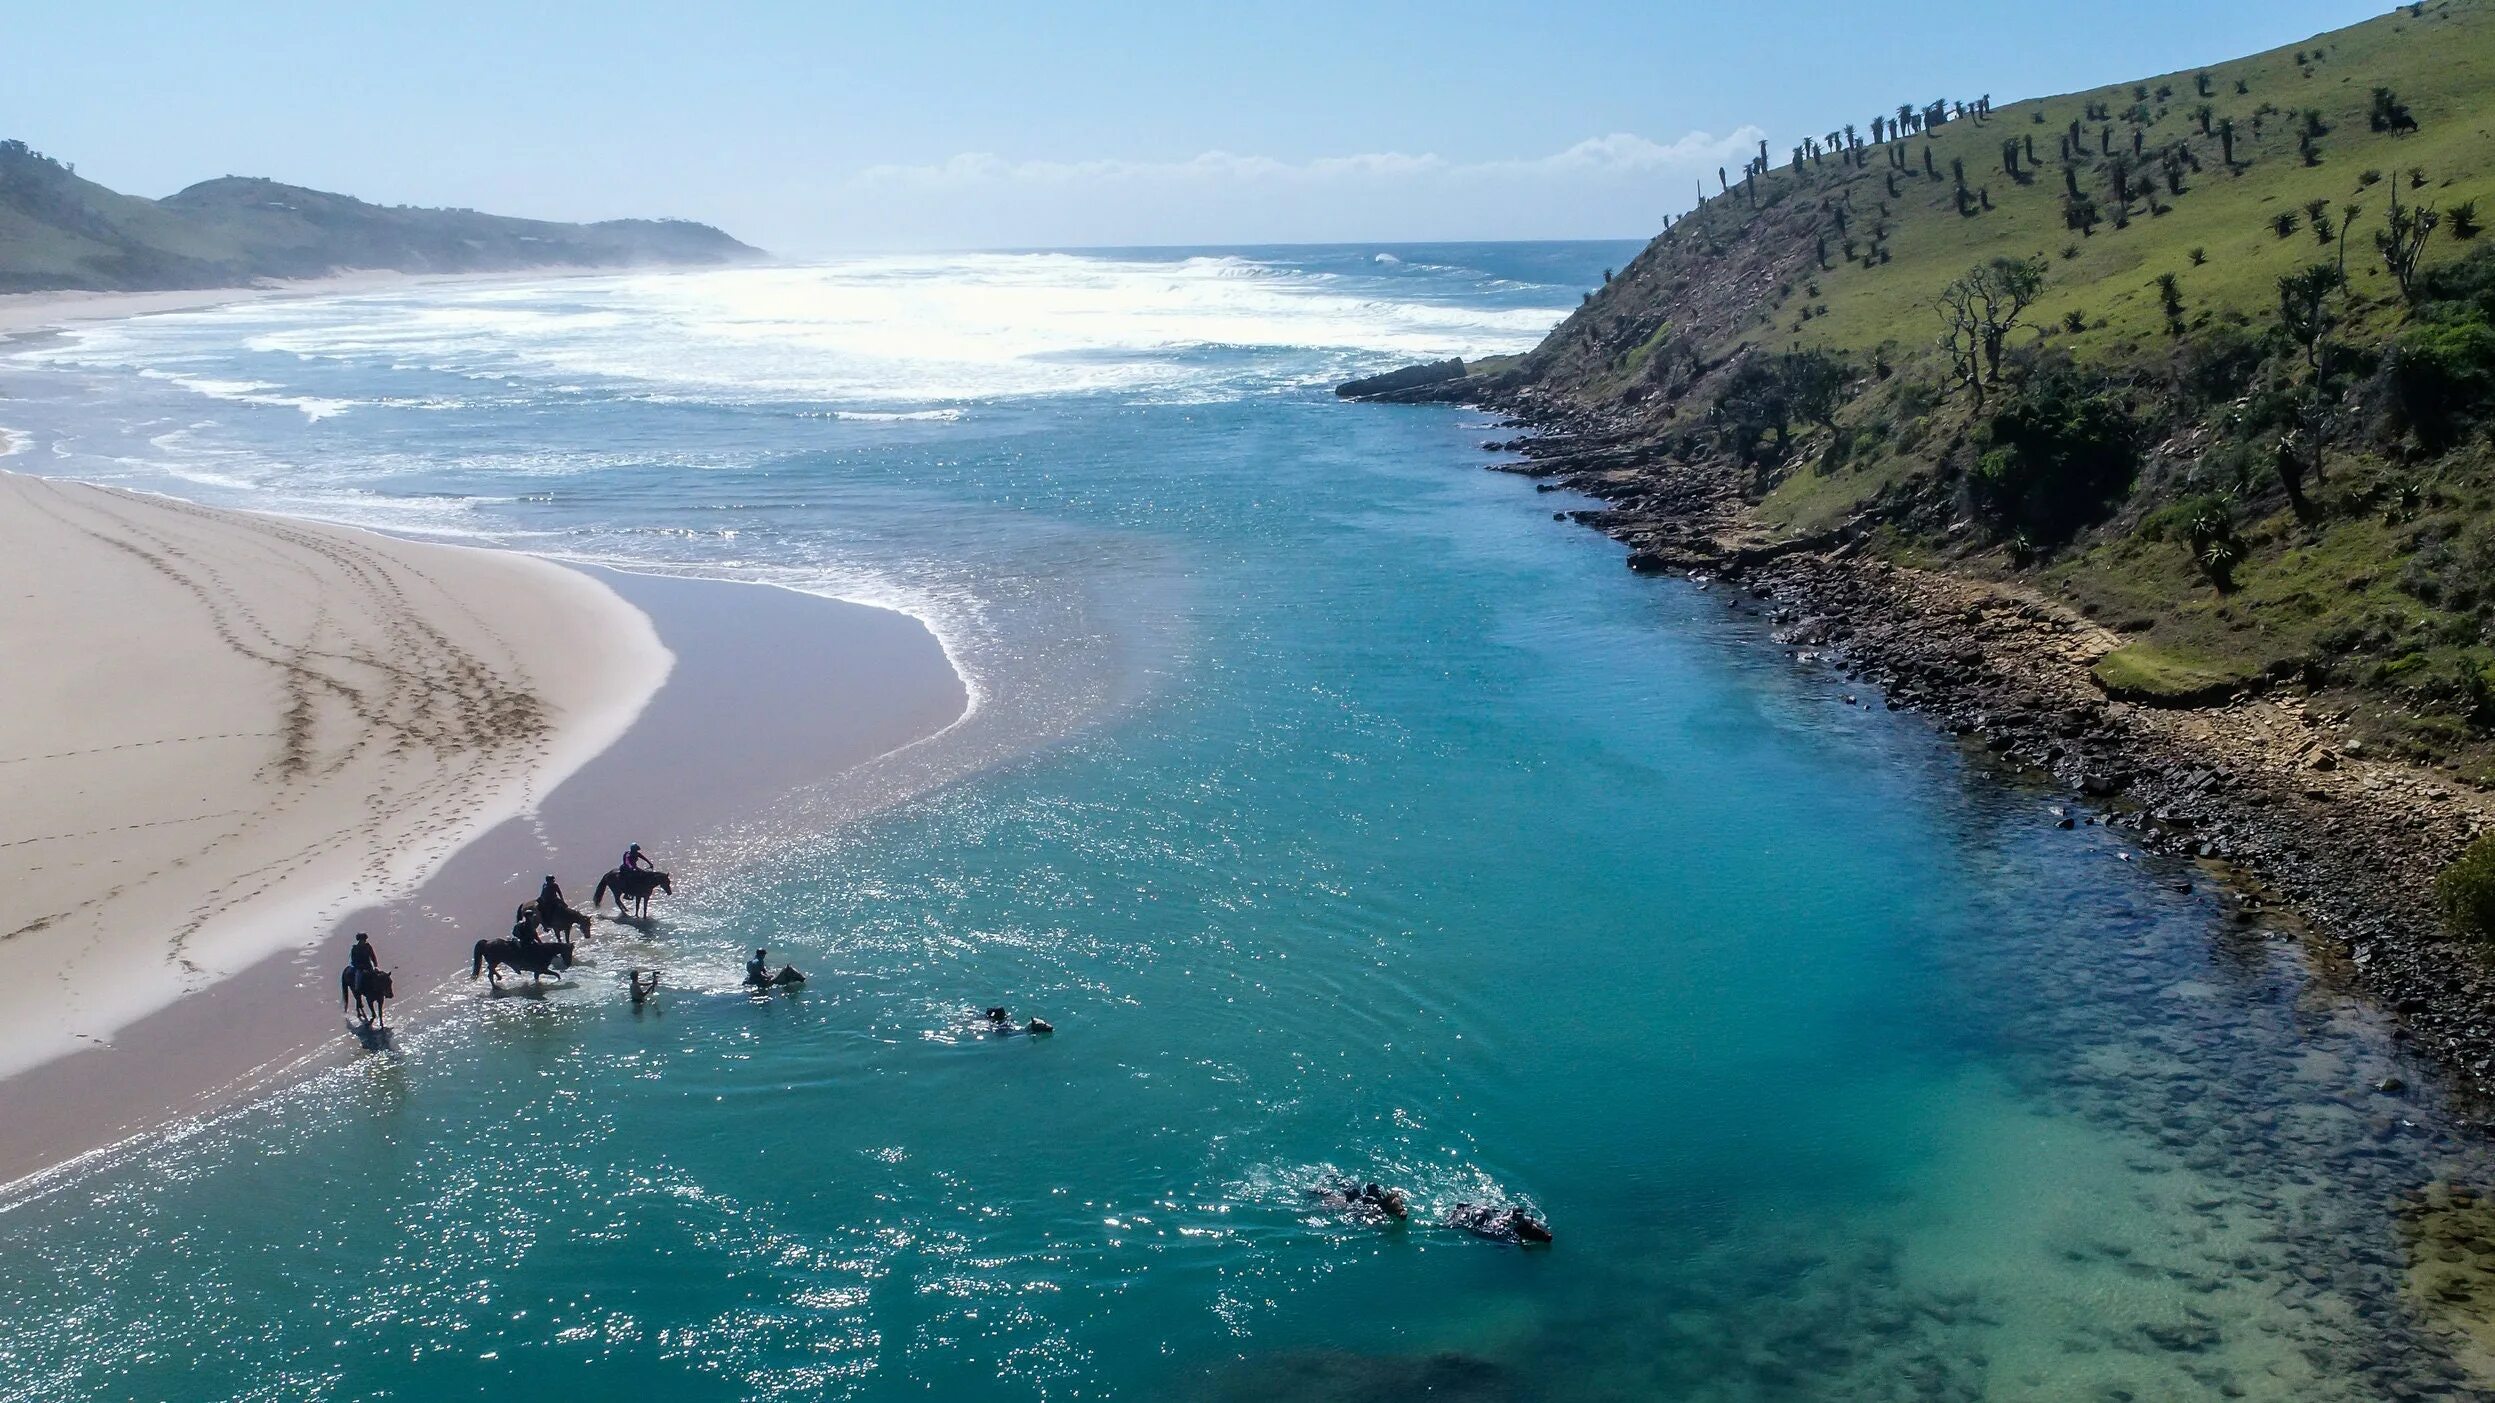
[61, 231]
[2209, 356]
[2466, 891]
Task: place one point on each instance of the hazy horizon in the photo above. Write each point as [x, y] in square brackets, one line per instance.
[985, 128]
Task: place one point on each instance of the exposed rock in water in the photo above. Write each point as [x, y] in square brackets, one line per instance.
[1412, 384]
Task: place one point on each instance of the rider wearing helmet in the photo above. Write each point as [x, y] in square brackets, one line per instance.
[634, 861]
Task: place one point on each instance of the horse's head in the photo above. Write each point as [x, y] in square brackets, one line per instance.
[663, 884]
[377, 985]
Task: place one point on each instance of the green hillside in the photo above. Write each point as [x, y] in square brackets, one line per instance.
[2150, 436]
[59, 231]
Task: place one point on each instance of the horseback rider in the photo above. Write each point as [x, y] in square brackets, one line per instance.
[634, 862]
[758, 969]
[551, 907]
[524, 926]
[361, 958]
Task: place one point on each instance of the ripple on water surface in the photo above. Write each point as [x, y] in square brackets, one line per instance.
[1373, 827]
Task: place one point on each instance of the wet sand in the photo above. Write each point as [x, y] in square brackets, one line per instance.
[225, 729]
[773, 692]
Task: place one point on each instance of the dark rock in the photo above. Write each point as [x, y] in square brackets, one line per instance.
[1399, 384]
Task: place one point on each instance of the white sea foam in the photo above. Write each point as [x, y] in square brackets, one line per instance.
[873, 336]
[312, 407]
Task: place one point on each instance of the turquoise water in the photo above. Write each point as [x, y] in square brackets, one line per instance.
[1363, 820]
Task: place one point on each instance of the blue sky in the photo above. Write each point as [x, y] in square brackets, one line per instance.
[822, 127]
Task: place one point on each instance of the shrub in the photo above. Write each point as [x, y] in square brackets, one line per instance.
[2441, 377]
[2055, 456]
[2469, 280]
[2453, 569]
[2466, 891]
[2216, 366]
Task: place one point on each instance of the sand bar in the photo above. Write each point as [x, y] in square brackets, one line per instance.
[224, 731]
[775, 696]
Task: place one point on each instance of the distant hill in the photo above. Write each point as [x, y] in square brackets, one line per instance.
[58, 231]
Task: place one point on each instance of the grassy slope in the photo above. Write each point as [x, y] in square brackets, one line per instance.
[1740, 273]
[2442, 66]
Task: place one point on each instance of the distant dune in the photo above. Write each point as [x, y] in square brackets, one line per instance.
[59, 232]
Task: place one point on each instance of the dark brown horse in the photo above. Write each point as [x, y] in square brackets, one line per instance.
[370, 989]
[632, 887]
[534, 958]
[563, 922]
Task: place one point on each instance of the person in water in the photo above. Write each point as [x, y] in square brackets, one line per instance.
[1362, 1198]
[634, 861]
[999, 1023]
[1500, 1225]
[644, 984]
[758, 972]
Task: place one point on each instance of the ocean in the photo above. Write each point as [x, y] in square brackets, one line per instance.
[1364, 822]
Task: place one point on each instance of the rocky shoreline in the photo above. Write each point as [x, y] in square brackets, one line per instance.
[2263, 791]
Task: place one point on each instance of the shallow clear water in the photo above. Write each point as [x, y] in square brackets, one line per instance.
[1384, 827]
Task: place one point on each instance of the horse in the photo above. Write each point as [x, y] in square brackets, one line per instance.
[535, 958]
[564, 923]
[632, 887]
[370, 988]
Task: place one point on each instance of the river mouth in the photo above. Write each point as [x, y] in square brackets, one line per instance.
[1420, 843]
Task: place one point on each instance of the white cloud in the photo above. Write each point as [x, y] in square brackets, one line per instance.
[1618, 185]
[1623, 153]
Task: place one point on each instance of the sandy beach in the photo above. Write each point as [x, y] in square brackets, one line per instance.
[227, 730]
[233, 740]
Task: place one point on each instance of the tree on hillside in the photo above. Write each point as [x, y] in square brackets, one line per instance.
[1979, 313]
[2402, 241]
[2317, 213]
[2307, 318]
[1815, 380]
[2226, 140]
[2389, 114]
